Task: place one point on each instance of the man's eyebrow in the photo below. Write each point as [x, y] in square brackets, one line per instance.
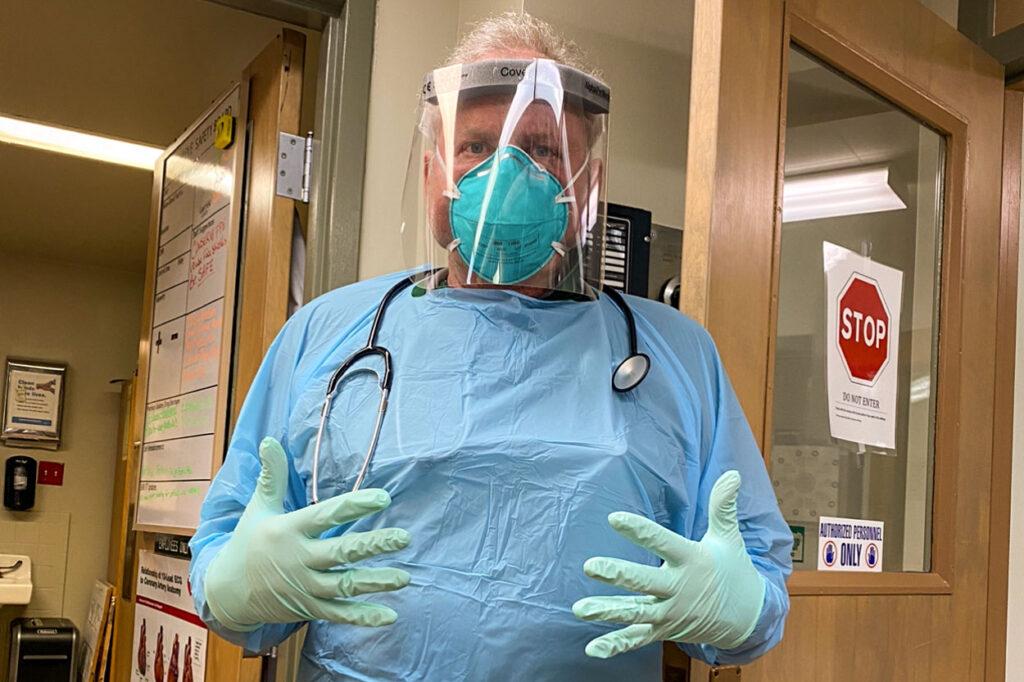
[475, 131]
[536, 133]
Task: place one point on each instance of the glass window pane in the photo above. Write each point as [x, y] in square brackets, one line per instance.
[865, 176]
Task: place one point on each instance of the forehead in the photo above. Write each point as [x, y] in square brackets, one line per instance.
[490, 112]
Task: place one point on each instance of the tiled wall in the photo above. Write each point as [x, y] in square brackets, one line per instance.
[43, 537]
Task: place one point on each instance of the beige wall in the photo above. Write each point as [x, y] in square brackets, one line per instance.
[410, 38]
[644, 56]
[87, 317]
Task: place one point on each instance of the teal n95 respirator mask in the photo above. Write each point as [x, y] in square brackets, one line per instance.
[505, 183]
[508, 217]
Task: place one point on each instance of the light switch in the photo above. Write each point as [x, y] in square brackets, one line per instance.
[51, 473]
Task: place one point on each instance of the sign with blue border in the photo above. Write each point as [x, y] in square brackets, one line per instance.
[850, 544]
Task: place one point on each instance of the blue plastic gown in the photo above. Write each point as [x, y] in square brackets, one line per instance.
[504, 450]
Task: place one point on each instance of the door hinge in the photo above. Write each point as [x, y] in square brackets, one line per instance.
[731, 673]
[294, 166]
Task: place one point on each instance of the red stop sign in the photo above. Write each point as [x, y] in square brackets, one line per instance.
[863, 332]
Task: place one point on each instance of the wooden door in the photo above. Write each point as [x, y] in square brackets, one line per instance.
[274, 80]
[895, 625]
[271, 91]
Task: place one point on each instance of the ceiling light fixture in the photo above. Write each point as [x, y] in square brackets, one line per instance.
[838, 193]
[65, 141]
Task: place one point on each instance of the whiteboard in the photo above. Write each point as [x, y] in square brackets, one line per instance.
[166, 503]
[181, 459]
[193, 283]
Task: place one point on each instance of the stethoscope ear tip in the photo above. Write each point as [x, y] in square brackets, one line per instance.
[630, 372]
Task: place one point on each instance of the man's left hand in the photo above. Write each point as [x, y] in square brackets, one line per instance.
[706, 592]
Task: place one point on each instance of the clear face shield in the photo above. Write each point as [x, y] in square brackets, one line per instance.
[505, 186]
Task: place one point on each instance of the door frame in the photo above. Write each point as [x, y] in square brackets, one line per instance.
[916, 622]
[1006, 340]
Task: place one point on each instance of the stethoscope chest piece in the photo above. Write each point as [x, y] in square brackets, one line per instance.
[630, 372]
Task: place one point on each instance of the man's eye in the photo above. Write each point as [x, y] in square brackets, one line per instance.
[541, 151]
[476, 148]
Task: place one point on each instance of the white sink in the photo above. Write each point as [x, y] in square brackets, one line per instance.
[15, 583]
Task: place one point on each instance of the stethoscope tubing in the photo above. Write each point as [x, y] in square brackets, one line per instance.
[384, 380]
[370, 349]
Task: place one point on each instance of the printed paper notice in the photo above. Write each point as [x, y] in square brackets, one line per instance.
[170, 639]
[850, 545]
[862, 326]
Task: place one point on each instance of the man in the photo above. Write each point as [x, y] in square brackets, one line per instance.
[556, 478]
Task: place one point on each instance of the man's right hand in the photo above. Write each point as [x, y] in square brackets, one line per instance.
[277, 569]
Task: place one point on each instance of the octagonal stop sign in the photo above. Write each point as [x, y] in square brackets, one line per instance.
[863, 329]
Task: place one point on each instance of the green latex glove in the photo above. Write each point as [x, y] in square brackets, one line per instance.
[277, 569]
[706, 592]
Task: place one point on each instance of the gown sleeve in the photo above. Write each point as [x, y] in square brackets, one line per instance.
[767, 536]
[264, 413]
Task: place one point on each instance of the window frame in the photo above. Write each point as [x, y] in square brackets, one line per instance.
[860, 68]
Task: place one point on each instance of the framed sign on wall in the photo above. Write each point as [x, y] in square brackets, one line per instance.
[33, 403]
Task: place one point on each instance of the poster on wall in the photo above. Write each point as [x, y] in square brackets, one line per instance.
[33, 403]
[862, 324]
[192, 322]
[169, 644]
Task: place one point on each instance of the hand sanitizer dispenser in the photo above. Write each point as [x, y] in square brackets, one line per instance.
[20, 483]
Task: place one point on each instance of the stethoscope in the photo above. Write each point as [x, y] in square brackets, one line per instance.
[627, 376]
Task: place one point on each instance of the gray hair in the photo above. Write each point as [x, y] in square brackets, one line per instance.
[521, 30]
[512, 31]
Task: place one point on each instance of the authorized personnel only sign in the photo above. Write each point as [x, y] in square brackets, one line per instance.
[850, 545]
[862, 324]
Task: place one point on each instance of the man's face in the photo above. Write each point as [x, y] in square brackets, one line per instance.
[478, 129]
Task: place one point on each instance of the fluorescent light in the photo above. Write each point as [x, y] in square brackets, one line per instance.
[64, 141]
[838, 193]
